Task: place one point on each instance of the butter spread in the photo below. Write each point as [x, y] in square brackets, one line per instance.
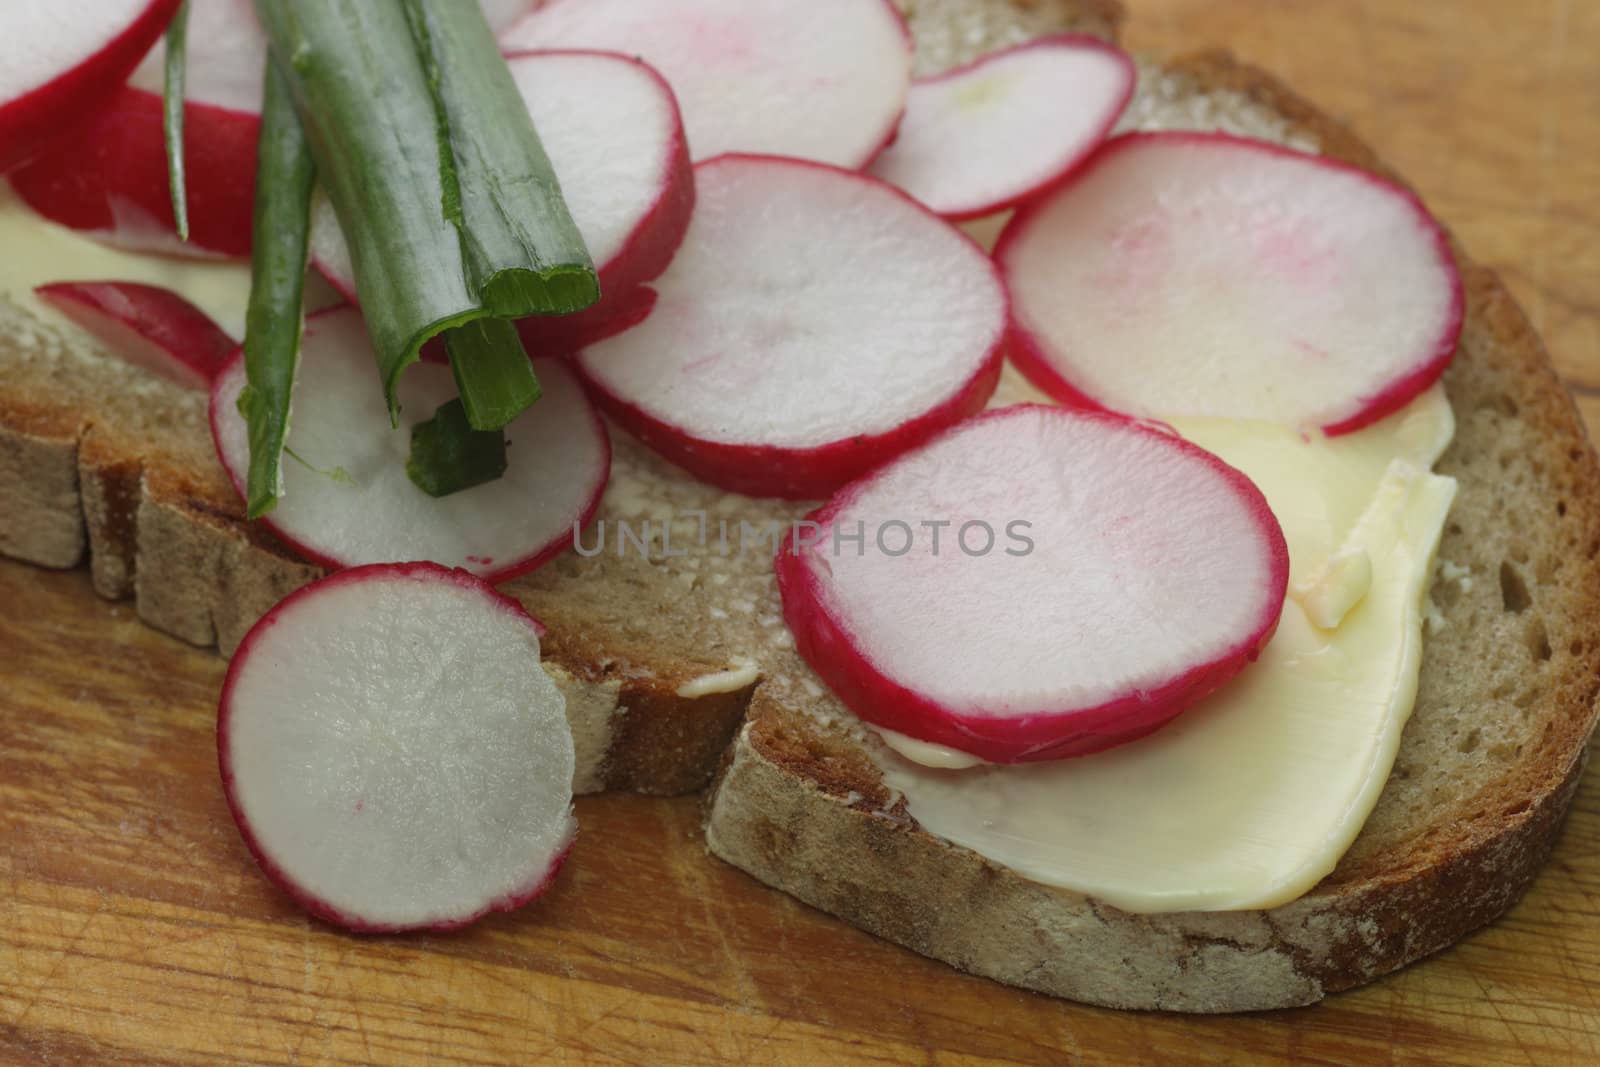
[38, 252]
[1249, 799]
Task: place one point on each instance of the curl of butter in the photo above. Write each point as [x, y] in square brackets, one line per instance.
[928, 754]
[1339, 585]
[741, 675]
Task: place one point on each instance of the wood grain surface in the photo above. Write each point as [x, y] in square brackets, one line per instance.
[135, 930]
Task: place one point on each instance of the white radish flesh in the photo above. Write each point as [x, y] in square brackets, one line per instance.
[814, 323]
[348, 499]
[1204, 274]
[824, 80]
[225, 53]
[611, 129]
[1148, 573]
[393, 753]
[62, 59]
[986, 136]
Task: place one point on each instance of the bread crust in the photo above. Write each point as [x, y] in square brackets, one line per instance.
[801, 806]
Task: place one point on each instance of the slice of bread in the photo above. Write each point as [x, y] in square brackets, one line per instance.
[660, 653]
[1488, 764]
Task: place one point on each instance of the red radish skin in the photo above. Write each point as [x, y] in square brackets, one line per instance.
[565, 335]
[790, 473]
[825, 81]
[111, 180]
[733, 377]
[624, 169]
[275, 867]
[96, 43]
[1036, 457]
[148, 326]
[1086, 333]
[558, 451]
[1059, 96]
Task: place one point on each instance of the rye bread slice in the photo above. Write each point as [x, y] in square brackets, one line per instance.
[1487, 766]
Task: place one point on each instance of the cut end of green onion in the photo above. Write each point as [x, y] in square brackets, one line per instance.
[264, 481]
[448, 455]
[492, 372]
[559, 290]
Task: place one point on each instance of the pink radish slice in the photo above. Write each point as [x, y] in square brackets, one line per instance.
[1150, 574]
[814, 323]
[611, 129]
[824, 80]
[148, 326]
[392, 752]
[1205, 274]
[350, 501]
[982, 138]
[112, 179]
[63, 57]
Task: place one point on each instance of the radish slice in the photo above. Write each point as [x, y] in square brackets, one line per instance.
[1205, 274]
[981, 138]
[63, 57]
[611, 129]
[348, 500]
[112, 180]
[146, 325]
[824, 80]
[815, 323]
[1096, 576]
[393, 753]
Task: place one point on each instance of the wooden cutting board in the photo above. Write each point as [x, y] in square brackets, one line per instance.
[135, 929]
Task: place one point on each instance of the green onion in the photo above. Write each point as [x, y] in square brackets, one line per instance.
[366, 101]
[284, 177]
[503, 384]
[448, 455]
[172, 116]
[523, 253]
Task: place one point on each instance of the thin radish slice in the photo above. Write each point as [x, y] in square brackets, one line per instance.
[63, 57]
[146, 325]
[814, 323]
[824, 80]
[1205, 274]
[986, 136]
[112, 179]
[613, 134]
[348, 500]
[393, 753]
[1095, 577]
